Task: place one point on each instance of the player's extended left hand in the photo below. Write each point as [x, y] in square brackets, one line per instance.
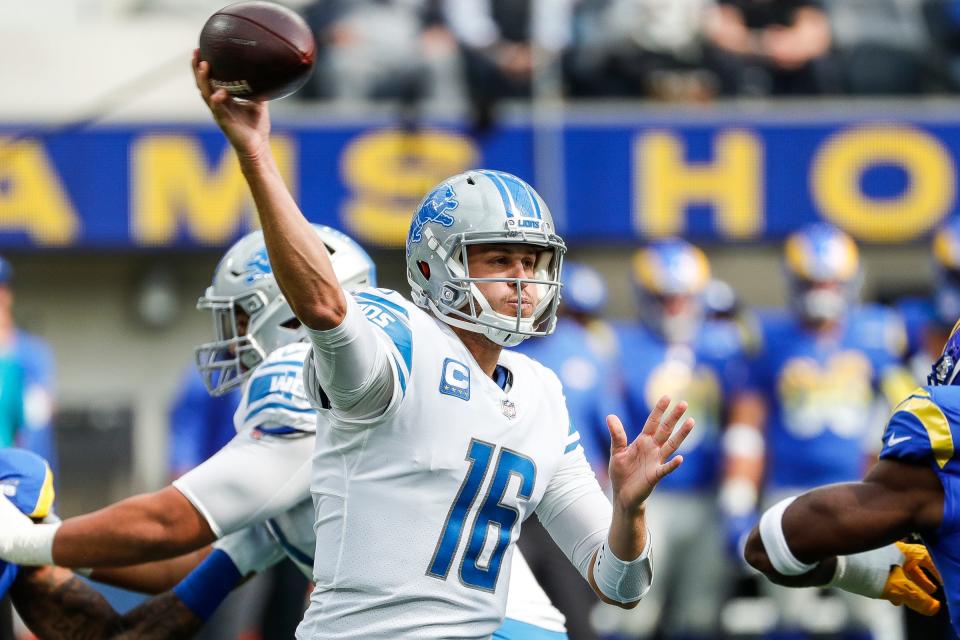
[909, 583]
[637, 467]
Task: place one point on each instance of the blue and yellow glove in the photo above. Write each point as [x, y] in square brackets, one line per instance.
[26, 480]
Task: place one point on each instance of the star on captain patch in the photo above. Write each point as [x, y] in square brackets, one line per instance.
[509, 409]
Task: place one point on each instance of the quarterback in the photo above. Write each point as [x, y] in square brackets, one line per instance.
[437, 442]
[255, 491]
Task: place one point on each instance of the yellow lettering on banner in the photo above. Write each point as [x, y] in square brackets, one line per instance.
[32, 198]
[173, 187]
[840, 163]
[732, 183]
[390, 171]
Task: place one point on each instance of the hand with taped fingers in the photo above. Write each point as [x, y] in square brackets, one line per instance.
[246, 123]
[909, 583]
[637, 467]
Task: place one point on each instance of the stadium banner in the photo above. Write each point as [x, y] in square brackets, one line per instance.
[166, 186]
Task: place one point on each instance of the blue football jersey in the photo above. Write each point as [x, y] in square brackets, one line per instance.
[590, 383]
[924, 430]
[704, 373]
[822, 390]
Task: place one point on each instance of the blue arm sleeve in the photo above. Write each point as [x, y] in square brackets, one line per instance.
[209, 584]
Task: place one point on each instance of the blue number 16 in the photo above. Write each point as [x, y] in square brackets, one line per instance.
[475, 571]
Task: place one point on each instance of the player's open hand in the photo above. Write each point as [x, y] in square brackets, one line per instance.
[246, 123]
[637, 467]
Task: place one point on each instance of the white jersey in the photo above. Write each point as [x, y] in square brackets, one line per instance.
[255, 490]
[419, 500]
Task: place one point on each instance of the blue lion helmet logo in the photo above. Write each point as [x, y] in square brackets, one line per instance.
[433, 209]
[258, 266]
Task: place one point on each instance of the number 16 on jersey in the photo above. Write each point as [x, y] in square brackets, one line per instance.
[480, 566]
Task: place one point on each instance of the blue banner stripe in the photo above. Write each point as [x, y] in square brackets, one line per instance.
[370, 297]
[278, 405]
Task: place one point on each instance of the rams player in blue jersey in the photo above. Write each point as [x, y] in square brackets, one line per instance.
[846, 535]
[822, 366]
[928, 319]
[673, 350]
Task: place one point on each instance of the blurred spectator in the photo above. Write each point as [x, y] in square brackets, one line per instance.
[503, 43]
[381, 50]
[880, 43]
[648, 48]
[824, 364]
[580, 352]
[673, 350]
[200, 424]
[770, 47]
[943, 23]
[27, 362]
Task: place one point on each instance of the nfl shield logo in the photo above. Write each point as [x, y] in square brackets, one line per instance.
[509, 409]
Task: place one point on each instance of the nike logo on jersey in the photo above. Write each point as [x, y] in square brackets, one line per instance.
[892, 441]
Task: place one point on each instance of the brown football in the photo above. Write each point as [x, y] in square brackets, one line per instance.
[257, 50]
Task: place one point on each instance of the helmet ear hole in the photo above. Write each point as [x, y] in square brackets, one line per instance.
[424, 268]
[292, 323]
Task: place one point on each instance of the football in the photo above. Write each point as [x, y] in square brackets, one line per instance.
[257, 50]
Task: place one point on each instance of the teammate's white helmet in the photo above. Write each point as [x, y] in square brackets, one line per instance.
[483, 207]
[244, 281]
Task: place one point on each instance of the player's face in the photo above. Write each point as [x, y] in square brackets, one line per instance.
[505, 261]
[678, 306]
[243, 323]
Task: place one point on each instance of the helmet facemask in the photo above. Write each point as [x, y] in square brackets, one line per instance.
[462, 304]
[224, 361]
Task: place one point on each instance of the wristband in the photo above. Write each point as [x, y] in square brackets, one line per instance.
[866, 573]
[208, 584]
[622, 581]
[775, 542]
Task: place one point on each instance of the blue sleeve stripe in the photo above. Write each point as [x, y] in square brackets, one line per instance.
[208, 584]
[278, 405]
[571, 447]
[288, 548]
[369, 297]
[397, 329]
[515, 630]
[403, 378]
[278, 431]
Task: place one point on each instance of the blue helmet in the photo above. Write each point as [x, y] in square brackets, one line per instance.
[946, 268]
[584, 290]
[822, 266]
[946, 367]
[665, 269]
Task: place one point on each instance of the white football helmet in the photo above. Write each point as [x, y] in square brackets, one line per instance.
[244, 282]
[483, 207]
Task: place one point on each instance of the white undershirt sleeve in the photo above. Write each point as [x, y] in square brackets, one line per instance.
[249, 480]
[575, 511]
[353, 365]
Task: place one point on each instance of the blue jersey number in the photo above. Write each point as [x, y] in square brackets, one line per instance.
[479, 569]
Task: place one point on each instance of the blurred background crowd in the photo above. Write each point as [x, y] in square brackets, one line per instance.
[693, 195]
